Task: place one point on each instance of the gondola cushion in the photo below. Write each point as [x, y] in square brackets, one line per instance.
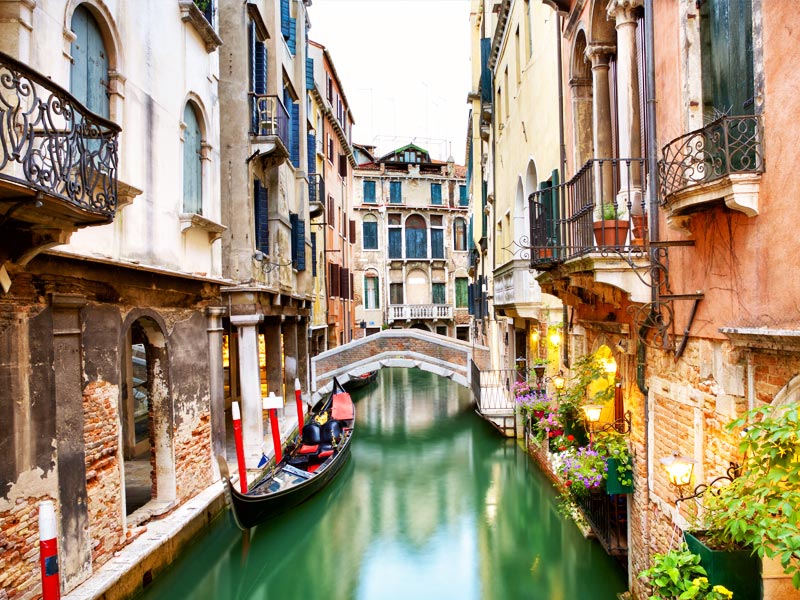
[343, 409]
[331, 431]
[306, 449]
[300, 461]
[325, 454]
[311, 434]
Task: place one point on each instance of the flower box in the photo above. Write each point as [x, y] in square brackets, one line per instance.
[613, 484]
[737, 570]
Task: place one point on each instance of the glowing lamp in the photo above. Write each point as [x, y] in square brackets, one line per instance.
[679, 469]
[610, 366]
[592, 412]
[558, 382]
[534, 336]
[555, 338]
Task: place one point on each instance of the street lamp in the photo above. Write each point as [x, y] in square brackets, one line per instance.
[558, 382]
[555, 338]
[592, 413]
[679, 470]
[610, 365]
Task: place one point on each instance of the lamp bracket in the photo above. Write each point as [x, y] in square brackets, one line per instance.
[732, 472]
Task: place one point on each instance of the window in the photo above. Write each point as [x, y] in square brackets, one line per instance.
[371, 300]
[330, 148]
[416, 237]
[298, 242]
[438, 293]
[396, 293]
[441, 329]
[395, 192]
[437, 237]
[88, 77]
[462, 292]
[462, 332]
[369, 233]
[395, 237]
[192, 162]
[293, 108]
[436, 193]
[459, 235]
[313, 254]
[463, 197]
[369, 191]
[331, 213]
[261, 212]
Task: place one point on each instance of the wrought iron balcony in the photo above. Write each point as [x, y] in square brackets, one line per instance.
[608, 517]
[58, 160]
[589, 213]
[270, 120]
[410, 312]
[316, 188]
[724, 159]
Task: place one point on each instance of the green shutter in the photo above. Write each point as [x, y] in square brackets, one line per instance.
[192, 165]
[89, 70]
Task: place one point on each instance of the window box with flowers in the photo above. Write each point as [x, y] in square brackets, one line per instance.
[613, 445]
[582, 471]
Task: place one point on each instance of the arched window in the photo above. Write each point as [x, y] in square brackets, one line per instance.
[192, 162]
[416, 237]
[371, 290]
[88, 77]
[369, 232]
[459, 234]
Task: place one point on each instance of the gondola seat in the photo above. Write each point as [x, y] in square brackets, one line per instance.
[331, 432]
[311, 434]
[308, 450]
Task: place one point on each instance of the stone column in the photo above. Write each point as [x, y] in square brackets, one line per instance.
[250, 385]
[289, 329]
[74, 543]
[630, 139]
[302, 353]
[601, 117]
[216, 378]
[272, 337]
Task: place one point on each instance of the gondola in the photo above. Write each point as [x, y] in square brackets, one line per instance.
[310, 463]
[361, 381]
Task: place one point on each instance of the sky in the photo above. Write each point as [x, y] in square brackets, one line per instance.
[405, 68]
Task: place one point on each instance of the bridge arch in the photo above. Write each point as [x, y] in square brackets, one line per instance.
[404, 348]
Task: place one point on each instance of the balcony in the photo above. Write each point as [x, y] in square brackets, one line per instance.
[417, 312]
[595, 222]
[200, 14]
[722, 161]
[608, 517]
[58, 164]
[269, 128]
[316, 194]
[515, 288]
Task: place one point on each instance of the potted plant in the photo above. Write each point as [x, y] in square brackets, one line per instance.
[611, 230]
[582, 471]
[756, 515]
[613, 445]
[539, 365]
[678, 574]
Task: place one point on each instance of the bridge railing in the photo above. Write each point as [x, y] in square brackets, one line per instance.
[408, 312]
[497, 391]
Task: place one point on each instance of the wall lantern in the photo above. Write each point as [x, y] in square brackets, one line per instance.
[534, 336]
[679, 469]
[559, 381]
[610, 365]
[555, 338]
[592, 412]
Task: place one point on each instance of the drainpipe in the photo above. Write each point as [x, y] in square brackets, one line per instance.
[561, 169]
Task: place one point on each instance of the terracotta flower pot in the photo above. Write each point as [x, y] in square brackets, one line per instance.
[611, 234]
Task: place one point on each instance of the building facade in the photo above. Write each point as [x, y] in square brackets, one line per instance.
[110, 199]
[335, 229]
[654, 235]
[412, 249]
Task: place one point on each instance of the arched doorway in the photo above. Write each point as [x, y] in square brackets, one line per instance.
[146, 417]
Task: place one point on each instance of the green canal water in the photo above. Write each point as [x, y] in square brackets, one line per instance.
[433, 504]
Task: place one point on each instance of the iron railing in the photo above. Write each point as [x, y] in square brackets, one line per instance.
[497, 390]
[725, 146]
[398, 312]
[589, 213]
[269, 117]
[608, 517]
[316, 188]
[50, 142]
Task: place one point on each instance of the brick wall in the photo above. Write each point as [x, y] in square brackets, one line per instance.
[193, 456]
[103, 481]
[19, 548]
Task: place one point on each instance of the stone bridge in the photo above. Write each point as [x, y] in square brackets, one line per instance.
[461, 362]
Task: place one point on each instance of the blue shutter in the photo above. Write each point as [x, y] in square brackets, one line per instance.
[251, 55]
[311, 140]
[395, 192]
[486, 73]
[285, 19]
[292, 41]
[463, 199]
[471, 298]
[436, 193]
[395, 243]
[294, 141]
[261, 212]
[301, 245]
[192, 166]
[260, 68]
[309, 73]
[438, 293]
[89, 69]
[437, 243]
[369, 234]
[369, 191]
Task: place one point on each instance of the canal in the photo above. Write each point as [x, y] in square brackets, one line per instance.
[432, 504]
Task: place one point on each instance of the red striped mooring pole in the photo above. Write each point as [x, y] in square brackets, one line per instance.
[237, 435]
[48, 551]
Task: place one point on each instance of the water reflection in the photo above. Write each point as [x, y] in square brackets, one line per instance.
[432, 504]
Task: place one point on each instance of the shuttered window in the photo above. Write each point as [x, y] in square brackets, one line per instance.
[463, 198]
[395, 293]
[298, 242]
[369, 191]
[437, 242]
[313, 254]
[88, 80]
[369, 233]
[345, 285]
[438, 293]
[192, 163]
[436, 193]
[294, 135]
[416, 237]
[395, 243]
[371, 288]
[462, 297]
[395, 192]
[285, 19]
[261, 212]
